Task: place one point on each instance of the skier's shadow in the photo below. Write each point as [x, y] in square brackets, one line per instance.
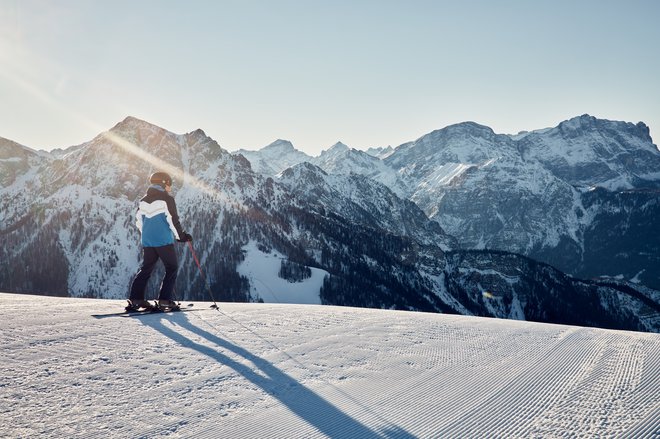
[305, 403]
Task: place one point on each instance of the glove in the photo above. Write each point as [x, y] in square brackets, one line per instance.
[185, 237]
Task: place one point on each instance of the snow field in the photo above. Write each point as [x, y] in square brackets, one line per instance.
[263, 268]
[275, 370]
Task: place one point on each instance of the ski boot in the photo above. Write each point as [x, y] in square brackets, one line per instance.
[168, 305]
[139, 305]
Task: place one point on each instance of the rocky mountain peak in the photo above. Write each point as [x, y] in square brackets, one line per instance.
[338, 148]
[132, 123]
[279, 145]
[457, 133]
[469, 127]
[644, 131]
[579, 122]
[274, 158]
[304, 171]
[586, 123]
[198, 134]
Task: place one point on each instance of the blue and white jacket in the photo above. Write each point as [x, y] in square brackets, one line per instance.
[157, 218]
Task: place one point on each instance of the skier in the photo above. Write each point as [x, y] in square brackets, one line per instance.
[158, 222]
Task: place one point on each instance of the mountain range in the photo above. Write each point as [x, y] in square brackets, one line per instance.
[583, 196]
[423, 226]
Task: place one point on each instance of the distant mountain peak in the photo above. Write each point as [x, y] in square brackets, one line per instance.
[274, 158]
[578, 122]
[340, 146]
[587, 122]
[131, 123]
[198, 133]
[335, 150]
[468, 126]
[279, 144]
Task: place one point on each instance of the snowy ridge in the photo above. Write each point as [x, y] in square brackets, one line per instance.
[255, 370]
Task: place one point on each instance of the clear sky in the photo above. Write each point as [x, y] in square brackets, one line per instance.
[368, 73]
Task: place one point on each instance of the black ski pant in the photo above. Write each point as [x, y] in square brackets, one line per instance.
[167, 254]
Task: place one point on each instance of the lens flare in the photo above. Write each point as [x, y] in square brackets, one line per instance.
[19, 69]
[160, 164]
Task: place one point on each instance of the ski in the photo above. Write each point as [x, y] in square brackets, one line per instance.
[137, 313]
[124, 314]
[142, 313]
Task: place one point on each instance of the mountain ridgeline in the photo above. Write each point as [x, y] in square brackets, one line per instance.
[447, 223]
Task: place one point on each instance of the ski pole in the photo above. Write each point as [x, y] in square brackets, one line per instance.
[206, 282]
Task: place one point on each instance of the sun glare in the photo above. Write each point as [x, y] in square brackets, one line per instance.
[16, 71]
[160, 164]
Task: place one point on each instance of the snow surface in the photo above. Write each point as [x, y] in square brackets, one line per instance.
[290, 371]
[263, 268]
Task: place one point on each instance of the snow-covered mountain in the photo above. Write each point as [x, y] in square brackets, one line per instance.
[16, 160]
[67, 224]
[340, 159]
[583, 196]
[265, 370]
[364, 201]
[536, 196]
[586, 152]
[274, 158]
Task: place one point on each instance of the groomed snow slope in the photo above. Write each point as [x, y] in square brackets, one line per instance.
[294, 371]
